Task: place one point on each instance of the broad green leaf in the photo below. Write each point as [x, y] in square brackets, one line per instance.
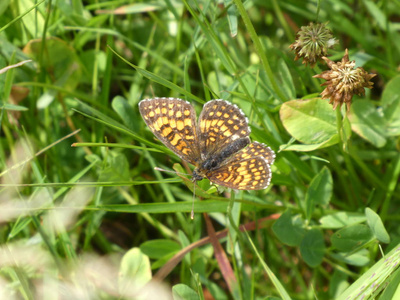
[391, 106]
[352, 237]
[367, 122]
[319, 191]
[338, 283]
[341, 219]
[116, 169]
[309, 121]
[159, 248]
[376, 225]
[126, 113]
[289, 229]
[312, 247]
[183, 292]
[162, 261]
[305, 148]
[32, 21]
[61, 61]
[134, 268]
[359, 258]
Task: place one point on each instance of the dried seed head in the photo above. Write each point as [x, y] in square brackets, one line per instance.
[343, 81]
[312, 43]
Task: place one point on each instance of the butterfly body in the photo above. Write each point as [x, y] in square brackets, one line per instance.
[214, 162]
[218, 144]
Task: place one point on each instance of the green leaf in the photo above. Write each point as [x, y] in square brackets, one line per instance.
[391, 106]
[309, 121]
[352, 237]
[183, 292]
[289, 229]
[135, 267]
[284, 78]
[159, 248]
[376, 225]
[359, 258]
[116, 169]
[312, 247]
[232, 17]
[305, 148]
[126, 113]
[319, 191]
[162, 261]
[3, 5]
[367, 122]
[61, 61]
[341, 219]
[338, 283]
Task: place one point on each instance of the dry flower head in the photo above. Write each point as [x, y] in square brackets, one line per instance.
[343, 81]
[312, 43]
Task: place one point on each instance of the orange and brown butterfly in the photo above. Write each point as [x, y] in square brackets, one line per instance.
[218, 144]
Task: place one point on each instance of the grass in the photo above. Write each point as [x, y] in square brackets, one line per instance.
[97, 221]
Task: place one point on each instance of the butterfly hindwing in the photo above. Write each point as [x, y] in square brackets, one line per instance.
[253, 173]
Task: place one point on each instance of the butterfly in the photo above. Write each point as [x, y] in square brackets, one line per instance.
[218, 144]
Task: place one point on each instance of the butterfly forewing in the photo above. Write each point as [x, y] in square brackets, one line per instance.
[220, 123]
[173, 122]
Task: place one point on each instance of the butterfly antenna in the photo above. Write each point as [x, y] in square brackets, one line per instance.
[194, 195]
[169, 171]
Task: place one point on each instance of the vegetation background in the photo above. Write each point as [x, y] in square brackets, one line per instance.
[96, 221]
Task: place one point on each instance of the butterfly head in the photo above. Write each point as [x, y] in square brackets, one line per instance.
[197, 175]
